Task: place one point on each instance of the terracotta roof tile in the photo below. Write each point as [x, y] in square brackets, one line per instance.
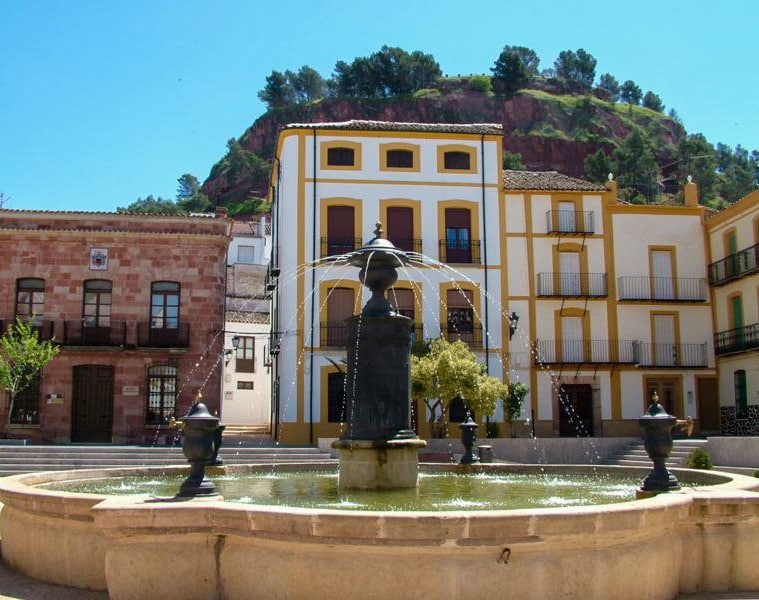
[548, 181]
[362, 125]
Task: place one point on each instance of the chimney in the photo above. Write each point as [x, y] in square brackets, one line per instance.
[611, 187]
[221, 212]
[690, 193]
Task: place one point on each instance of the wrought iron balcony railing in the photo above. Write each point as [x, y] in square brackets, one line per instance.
[334, 246]
[662, 289]
[573, 222]
[740, 339]
[163, 337]
[333, 334]
[80, 333]
[469, 333]
[457, 251]
[668, 355]
[589, 352]
[734, 266]
[406, 244]
[591, 285]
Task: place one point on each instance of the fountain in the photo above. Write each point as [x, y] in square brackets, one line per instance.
[691, 539]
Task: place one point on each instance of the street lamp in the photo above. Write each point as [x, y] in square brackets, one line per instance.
[513, 321]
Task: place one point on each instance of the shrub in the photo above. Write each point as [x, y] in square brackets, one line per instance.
[493, 430]
[479, 83]
[699, 459]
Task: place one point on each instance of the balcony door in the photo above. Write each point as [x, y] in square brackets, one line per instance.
[458, 233]
[569, 273]
[567, 217]
[400, 227]
[663, 284]
[571, 340]
[341, 235]
[665, 346]
[339, 308]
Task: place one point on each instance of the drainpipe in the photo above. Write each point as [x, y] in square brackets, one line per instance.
[485, 253]
[313, 300]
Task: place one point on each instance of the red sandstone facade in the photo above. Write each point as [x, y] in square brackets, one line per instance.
[136, 303]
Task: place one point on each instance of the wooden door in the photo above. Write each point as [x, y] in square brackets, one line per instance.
[341, 233]
[92, 404]
[576, 410]
[708, 405]
[400, 227]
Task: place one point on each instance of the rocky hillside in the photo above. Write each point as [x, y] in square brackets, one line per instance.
[550, 131]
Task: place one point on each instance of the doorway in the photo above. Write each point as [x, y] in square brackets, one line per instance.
[92, 404]
[669, 390]
[576, 410]
[708, 405]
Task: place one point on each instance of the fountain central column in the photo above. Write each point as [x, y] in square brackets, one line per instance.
[378, 449]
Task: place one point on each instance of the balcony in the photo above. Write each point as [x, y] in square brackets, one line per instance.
[662, 289]
[672, 356]
[407, 245]
[737, 340]
[734, 266]
[333, 334]
[572, 285]
[331, 246]
[457, 251]
[585, 352]
[163, 337]
[570, 222]
[469, 333]
[78, 333]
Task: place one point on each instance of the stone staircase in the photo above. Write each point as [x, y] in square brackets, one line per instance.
[24, 459]
[635, 454]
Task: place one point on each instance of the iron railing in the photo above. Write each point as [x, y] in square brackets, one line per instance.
[45, 328]
[79, 333]
[163, 337]
[667, 355]
[407, 245]
[333, 334]
[570, 221]
[469, 333]
[662, 289]
[334, 246]
[737, 340]
[734, 266]
[457, 251]
[593, 352]
[572, 284]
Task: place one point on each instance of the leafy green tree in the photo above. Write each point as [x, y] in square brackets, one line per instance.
[190, 197]
[278, 91]
[512, 405]
[425, 70]
[449, 371]
[528, 56]
[151, 205]
[307, 84]
[513, 161]
[652, 101]
[608, 83]
[598, 166]
[636, 167]
[509, 73]
[22, 356]
[241, 166]
[630, 93]
[577, 69]
[737, 172]
[698, 158]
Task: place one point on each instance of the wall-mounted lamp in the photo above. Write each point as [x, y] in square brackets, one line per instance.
[513, 322]
[230, 351]
[236, 341]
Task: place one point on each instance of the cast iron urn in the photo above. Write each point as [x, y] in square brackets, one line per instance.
[657, 438]
[199, 446]
[468, 437]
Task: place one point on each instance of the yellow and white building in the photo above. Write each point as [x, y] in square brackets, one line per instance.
[733, 243]
[612, 299]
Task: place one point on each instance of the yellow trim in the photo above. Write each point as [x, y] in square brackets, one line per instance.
[413, 148]
[414, 205]
[443, 149]
[672, 250]
[459, 287]
[474, 218]
[746, 203]
[397, 182]
[301, 281]
[428, 135]
[532, 304]
[558, 328]
[326, 429]
[577, 249]
[357, 206]
[324, 148]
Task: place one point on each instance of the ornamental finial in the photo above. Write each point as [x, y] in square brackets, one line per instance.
[378, 230]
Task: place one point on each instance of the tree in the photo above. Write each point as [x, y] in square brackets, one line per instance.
[630, 93]
[652, 101]
[450, 371]
[189, 195]
[598, 166]
[637, 167]
[512, 406]
[697, 158]
[307, 84]
[22, 357]
[528, 56]
[577, 69]
[610, 85]
[513, 161]
[278, 91]
[4, 199]
[509, 73]
[151, 205]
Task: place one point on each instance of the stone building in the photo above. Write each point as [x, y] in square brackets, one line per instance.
[136, 303]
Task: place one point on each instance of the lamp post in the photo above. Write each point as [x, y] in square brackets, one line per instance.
[513, 322]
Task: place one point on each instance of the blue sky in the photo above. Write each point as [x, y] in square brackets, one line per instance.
[102, 102]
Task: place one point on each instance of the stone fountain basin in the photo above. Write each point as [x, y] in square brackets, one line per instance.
[698, 539]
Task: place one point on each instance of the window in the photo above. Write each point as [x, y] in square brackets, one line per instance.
[164, 305]
[30, 299]
[567, 217]
[400, 228]
[460, 316]
[456, 160]
[339, 307]
[569, 273]
[458, 231]
[662, 270]
[244, 385]
[245, 358]
[341, 236]
[741, 395]
[245, 255]
[336, 397]
[572, 342]
[665, 338]
[400, 159]
[341, 157]
[402, 301]
[162, 394]
[97, 303]
[26, 404]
